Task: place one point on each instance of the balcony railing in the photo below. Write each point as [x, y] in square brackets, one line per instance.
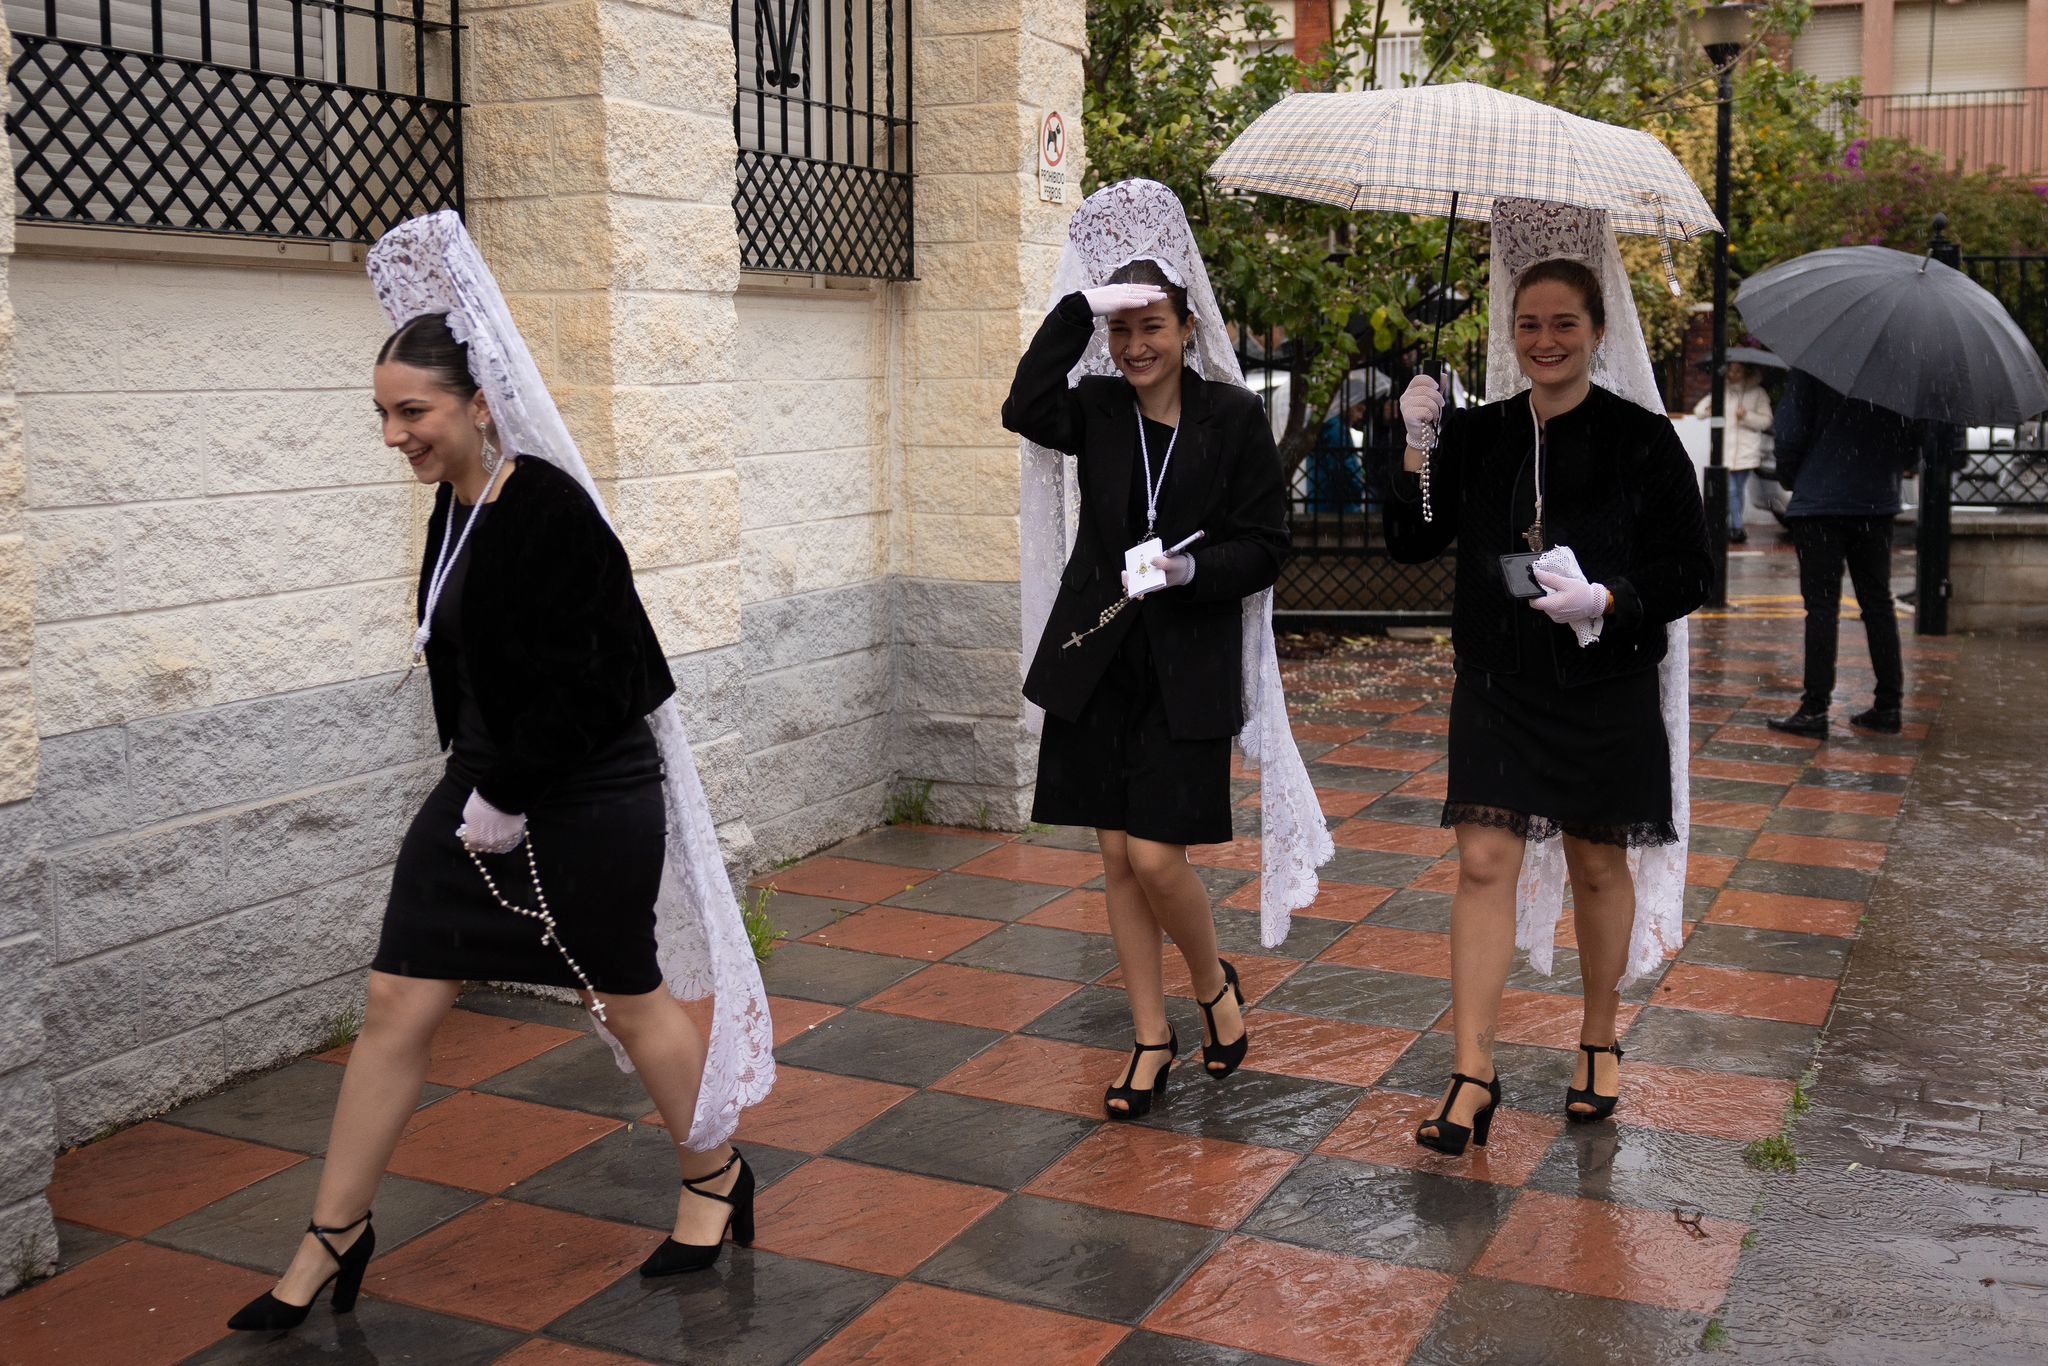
[2005, 131]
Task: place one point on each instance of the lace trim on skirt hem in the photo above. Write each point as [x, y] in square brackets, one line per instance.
[1639, 835]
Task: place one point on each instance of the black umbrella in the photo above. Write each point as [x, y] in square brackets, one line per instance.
[1904, 332]
[1753, 356]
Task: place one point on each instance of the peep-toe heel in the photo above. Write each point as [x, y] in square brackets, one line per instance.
[1138, 1099]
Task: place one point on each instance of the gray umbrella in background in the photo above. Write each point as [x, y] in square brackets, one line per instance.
[1904, 332]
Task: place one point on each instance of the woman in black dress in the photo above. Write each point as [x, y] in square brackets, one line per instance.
[1549, 737]
[538, 856]
[1143, 695]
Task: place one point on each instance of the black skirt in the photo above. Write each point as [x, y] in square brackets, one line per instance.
[1119, 768]
[1589, 761]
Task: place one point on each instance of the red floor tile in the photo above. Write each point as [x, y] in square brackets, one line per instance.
[1323, 1050]
[143, 1178]
[1036, 863]
[1708, 870]
[810, 1111]
[1394, 706]
[469, 1047]
[485, 1143]
[904, 934]
[1082, 911]
[1543, 1018]
[517, 1265]
[1045, 1074]
[1256, 976]
[924, 1325]
[1422, 725]
[1304, 1304]
[1335, 901]
[1856, 761]
[1340, 802]
[1325, 735]
[1593, 1247]
[1828, 799]
[1753, 995]
[1764, 735]
[868, 1218]
[1388, 837]
[1425, 785]
[1712, 716]
[1820, 852]
[543, 1352]
[792, 1017]
[1377, 756]
[972, 996]
[962, 831]
[1169, 1176]
[1795, 914]
[136, 1305]
[844, 879]
[1443, 877]
[1731, 815]
[1392, 950]
[1715, 1104]
[1381, 1130]
[1744, 772]
[1244, 855]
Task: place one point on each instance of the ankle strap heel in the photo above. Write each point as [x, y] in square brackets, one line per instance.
[673, 1258]
[269, 1314]
[1138, 1100]
[1603, 1106]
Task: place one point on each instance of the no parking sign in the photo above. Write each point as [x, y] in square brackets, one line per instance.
[1052, 159]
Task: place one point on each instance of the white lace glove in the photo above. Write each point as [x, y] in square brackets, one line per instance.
[487, 829]
[1422, 408]
[1104, 300]
[1569, 600]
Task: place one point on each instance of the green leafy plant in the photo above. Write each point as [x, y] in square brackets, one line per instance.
[1715, 1338]
[910, 804]
[1773, 1154]
[342, 1031]
[762, 934]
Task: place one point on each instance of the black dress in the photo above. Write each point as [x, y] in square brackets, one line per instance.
[1546, 736]
[1119, 767]
[598, 833]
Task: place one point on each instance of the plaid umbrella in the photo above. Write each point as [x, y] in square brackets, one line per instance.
[1450, 150]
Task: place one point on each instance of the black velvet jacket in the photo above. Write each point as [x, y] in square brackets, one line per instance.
[1224, 480]
[556, 643]
[1619, 489]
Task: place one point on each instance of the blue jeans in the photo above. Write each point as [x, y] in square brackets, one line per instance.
[1738, 494]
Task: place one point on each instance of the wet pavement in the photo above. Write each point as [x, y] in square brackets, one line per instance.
[938, 1184]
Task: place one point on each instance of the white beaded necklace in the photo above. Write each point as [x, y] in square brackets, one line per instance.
[444, 562]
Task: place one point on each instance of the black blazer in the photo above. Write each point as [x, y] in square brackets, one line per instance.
[1225, 481]
[558, 649]
[1618, 489]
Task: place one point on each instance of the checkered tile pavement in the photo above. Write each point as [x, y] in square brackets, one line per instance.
[938, 1183]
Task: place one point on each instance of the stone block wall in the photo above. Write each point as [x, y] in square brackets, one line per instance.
[1998, 571]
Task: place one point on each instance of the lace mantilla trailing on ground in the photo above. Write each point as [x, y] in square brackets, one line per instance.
[430, 265]
[1525, 232]
[1116, 224]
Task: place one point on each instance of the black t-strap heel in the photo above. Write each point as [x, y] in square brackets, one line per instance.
[1603, 1106]
[1138, 1100]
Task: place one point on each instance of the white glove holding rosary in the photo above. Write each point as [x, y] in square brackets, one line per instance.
[1104, 300]
[487, 829]
[1422, 408]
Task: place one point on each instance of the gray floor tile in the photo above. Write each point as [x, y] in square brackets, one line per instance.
[630, 1177]
[1101, 1018]
[1352, 778]
[912, 848]
[1714, 839]
[1494, 1323]
[959, 1138]
[1440, 1223]
[1237, 932]
[77, 1244]
[1796, 879]
[1041, 952]
[1791, 820]
[523, 1005]
[795, 916]
[1373, 868]
[1362, 995]
[989, 898]
[577, 1076]
[1073, 1258]
[1738, 946]
[1650, 1169]
[1414, 910]
[1157, 1349]
[1259, 1108]
[1724, 1043]
[290, 1108]
[859, 1043]
[840, 977]
[260, 1226]
[1531, 1078]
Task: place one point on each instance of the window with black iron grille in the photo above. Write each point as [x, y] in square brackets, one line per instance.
[321, 120]
[823, 123]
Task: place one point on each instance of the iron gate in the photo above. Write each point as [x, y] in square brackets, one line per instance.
[2008, 466]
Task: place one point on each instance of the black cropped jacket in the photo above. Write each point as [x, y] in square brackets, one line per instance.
[1619, 489]
[556, 643]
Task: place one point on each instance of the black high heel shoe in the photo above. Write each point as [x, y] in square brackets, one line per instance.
[1451, 1138]
[673, 1258]
[1138, 1100]
[1603, 1106]
[269, 1314]
[1229, 1054]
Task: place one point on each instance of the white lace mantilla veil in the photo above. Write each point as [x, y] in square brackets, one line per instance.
[1524, 232]
[430, 265]
[1116, 224]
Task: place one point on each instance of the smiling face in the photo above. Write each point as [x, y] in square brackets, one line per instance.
[1146, 344]
[1554, 334]
[435, 430]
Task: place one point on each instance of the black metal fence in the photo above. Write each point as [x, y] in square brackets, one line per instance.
[2008, 466]
[823, 122]
[323, 120]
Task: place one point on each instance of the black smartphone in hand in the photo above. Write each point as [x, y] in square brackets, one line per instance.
[1518, 572]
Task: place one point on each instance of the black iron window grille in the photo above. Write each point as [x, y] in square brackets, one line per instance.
[823, 123]
[2000, 466]
[320, 120]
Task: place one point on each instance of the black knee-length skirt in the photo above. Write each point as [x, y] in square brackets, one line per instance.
[599, 842]
[1119, 767]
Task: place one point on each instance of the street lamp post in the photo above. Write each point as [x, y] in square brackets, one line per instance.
[1722, 30]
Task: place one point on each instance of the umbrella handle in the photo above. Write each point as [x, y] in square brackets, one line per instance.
[1443, 289]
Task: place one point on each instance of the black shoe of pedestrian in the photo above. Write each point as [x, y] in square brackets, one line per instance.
[1802, 722]
[1883, 720]
[1738, 538]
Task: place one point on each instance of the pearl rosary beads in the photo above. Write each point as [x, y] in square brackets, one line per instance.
[543, 915]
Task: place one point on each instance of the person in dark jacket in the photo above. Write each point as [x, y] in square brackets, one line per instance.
[1842, 460]
[1142, 696]
[1549, 736]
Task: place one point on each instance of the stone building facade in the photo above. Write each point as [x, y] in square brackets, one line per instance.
[207, 557]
